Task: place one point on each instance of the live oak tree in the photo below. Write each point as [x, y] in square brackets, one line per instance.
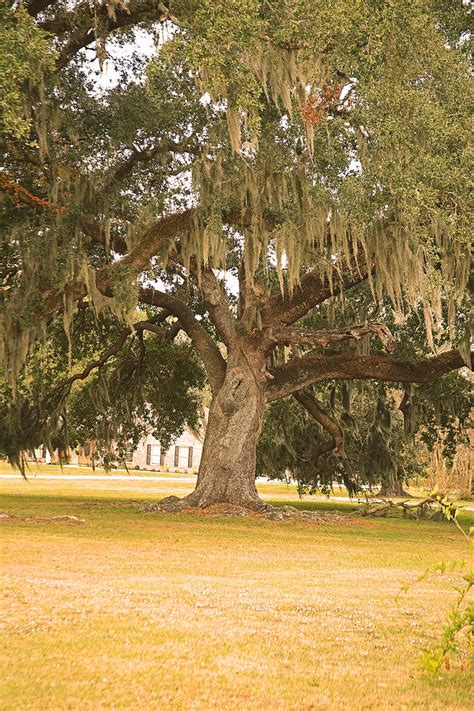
[265, 161]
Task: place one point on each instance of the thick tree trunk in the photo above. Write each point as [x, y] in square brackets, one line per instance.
[392, 487]
[227, 470]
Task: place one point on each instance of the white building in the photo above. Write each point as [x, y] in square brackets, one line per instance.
[184, 454]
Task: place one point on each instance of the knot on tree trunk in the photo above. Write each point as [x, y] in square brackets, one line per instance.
[234, 391]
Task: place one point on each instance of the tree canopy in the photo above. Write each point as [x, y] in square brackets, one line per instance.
[249, 164]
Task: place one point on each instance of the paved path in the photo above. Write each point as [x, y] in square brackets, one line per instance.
[135, 477]
[111, 477]
[100, 477]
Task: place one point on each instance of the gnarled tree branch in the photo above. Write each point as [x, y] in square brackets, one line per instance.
[148, 245]
[313, 290]
[289, 336]
[137, 259]
[155, 237]
[126, 15]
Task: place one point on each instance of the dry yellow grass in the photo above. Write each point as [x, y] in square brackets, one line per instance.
[146, 611]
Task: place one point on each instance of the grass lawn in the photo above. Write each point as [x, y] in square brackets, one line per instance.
[146, 611]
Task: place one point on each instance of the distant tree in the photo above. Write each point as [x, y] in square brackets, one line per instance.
[299, 149]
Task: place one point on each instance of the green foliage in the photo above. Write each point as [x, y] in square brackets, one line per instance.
[378, 448]
[460, 619]
[224, 36]
[388, 431]
[395, 160]
[280, 452]
[407, 127]
[149, 385]
[457, 637]
[154, 390]
[25, 55]
[456, 641]
[444, 408]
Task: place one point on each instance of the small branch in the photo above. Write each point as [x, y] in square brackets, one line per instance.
[173, 331]
[22, 195]
[416, 509]
[149, 324]
[106, 355]
[124, 168]
[323, 417]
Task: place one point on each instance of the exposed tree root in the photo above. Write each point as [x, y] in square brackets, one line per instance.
[259, 509]
[173, 504]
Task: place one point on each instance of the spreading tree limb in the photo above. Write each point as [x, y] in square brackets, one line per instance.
[148, 245]
[299, 373]
[125, 15]
[313, 289]
[151, 240]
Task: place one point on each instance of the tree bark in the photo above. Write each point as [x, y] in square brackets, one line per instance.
[392, 487]
[227, 470]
